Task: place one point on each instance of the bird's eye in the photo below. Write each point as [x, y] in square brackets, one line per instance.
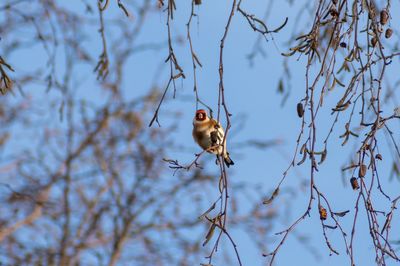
[200, 116]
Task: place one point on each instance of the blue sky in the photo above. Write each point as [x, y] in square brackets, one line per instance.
[252, 92]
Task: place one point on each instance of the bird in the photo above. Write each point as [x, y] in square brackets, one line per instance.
[209, 135]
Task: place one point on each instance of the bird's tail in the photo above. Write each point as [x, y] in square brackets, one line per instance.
[228, 160]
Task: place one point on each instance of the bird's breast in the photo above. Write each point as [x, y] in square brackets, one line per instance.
[202, 138]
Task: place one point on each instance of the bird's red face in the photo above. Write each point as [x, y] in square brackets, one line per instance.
[201, 115]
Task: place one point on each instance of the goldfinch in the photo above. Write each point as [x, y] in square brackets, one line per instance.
[209, 134]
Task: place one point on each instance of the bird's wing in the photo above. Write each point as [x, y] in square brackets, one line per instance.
[217, 133]
[215, 124]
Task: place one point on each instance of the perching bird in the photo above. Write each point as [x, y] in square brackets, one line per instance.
[209, 134]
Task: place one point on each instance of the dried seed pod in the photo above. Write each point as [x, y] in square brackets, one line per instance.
[275, 194]
[388, 33]
[378, 156]
[374, 41]
[197, 2]
[300, 110]
[354, 183]
[362, 171]
[6, 84]
[384, 17]
[343, 45]
[323, 156]
[372, 13]
[322, 213]
[210, 234]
